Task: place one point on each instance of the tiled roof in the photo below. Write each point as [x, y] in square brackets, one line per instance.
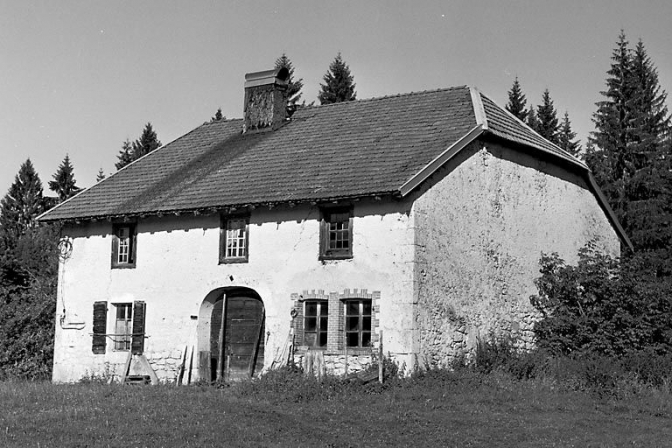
[359, 148]
[503, 124]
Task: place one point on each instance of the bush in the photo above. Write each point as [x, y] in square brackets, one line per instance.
[602, 306]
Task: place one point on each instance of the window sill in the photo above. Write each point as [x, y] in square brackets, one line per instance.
[331, 257]
[233, 260]
[124, 266]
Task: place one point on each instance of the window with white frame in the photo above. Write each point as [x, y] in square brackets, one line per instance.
[234, 240]
[123, 326]
[123, 245]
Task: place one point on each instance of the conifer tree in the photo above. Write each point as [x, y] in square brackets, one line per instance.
[218, 115]
[21, 205]
[131, 151]
[63, 183]
[631, 156]
[147, 142]
[125, 156]
[517, 102]
[101, 175]
[532, 120]
[566, 137]
[548, 118]
[338, 84]
[294, 86]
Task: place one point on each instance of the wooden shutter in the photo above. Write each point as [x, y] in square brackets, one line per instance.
[138, 339]
[99, 327]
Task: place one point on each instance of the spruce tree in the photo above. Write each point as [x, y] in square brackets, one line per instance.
[294, 87]
[532, 120]
[21, 205]
[100, 176]
[64, 184]
[566, 137]
[517, 102]
[338, 84]
[125, 156]
[147, 142]
[131, 151]
[631, 156]
[548, 118]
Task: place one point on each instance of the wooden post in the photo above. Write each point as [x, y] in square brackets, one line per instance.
[345, 363]
[205, 366]
[260, 334]
[380, 357]
[220, 359]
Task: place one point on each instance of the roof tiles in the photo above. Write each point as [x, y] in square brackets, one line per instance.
[340, 150]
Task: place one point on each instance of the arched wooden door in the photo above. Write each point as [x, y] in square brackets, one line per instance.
[241, 336]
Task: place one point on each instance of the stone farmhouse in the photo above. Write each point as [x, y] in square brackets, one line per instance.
[307, 234]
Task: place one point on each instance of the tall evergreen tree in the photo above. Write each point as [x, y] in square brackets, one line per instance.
[517, 102]
[131, 151]
[63, 183]
[295, 86]
[566, 137]
[147, 142]
[532, 120]
[100, 176]
[338, 84]
[125, 156]
[548, 118]
[21, 205]
[631, 159]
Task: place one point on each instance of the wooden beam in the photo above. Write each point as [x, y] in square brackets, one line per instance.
[220, 348]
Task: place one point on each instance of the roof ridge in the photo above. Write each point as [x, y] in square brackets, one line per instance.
[395, 95]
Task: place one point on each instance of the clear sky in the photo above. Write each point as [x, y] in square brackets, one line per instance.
[79, 77]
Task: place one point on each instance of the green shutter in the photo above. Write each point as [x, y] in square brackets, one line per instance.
[138, 339]
[99, 327]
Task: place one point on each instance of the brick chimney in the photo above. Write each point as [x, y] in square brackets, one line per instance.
[265, 100]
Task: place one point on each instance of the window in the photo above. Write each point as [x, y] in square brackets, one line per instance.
[122, 327]
[129, 327]
[336, 234]
[234, 240]
[358, 323]
[315, 323]
[123, 245]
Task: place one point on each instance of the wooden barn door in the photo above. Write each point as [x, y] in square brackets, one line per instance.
[241, 336]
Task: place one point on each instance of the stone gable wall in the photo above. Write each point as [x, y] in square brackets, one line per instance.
[480, 231]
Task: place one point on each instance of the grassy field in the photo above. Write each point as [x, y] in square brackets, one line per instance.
[440, 409]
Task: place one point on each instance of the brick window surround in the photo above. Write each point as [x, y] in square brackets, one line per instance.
[336, 332]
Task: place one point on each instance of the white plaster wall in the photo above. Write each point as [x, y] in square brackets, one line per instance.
[480, 232]
[177, 266]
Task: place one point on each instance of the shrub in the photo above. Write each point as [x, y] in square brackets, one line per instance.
[602, 306]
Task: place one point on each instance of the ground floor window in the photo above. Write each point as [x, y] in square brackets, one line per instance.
[123, 329]
[358, 323]
[316, 316]
[128, 327]
[336, 321]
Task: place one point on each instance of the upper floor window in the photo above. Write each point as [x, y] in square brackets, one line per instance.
[234, 240]
[123, 245]
[336, 234]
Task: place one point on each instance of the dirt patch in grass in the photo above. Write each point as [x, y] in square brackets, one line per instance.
[457, 409]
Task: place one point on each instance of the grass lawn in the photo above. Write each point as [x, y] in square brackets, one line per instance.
[445, 410]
